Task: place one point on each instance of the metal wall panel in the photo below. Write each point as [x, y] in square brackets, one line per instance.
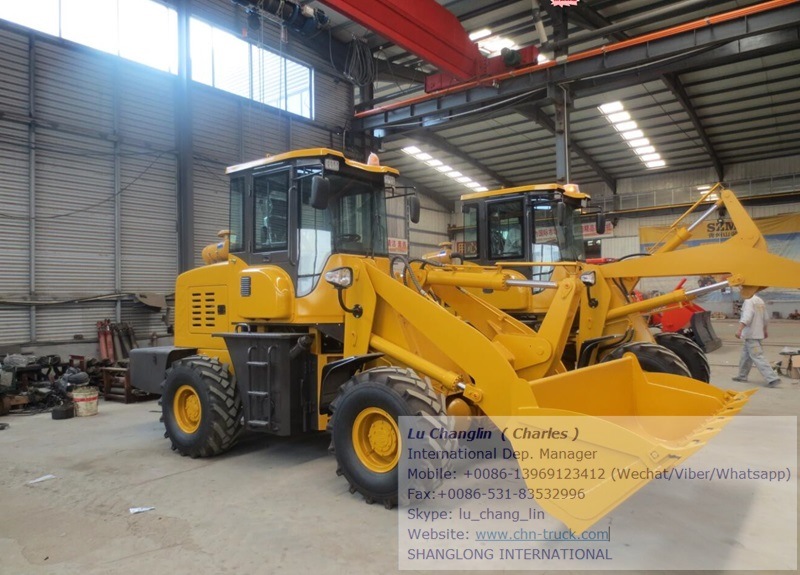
[223, 14]
[74, 87]
[431, 230]
[396, 218]
[63, 323]
[333, 101]
[763, 168]
[148, 231]
[217, 144]
[773, 210]
[686, 178]
[144, 321]
[14, 209]
[148, 202]
[304, 135]
[146, 106]
[75, 234]
[15, 322]
[264, 131]
[618, 247]
[14, 63]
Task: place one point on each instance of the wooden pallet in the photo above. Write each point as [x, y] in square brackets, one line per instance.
[13, 402]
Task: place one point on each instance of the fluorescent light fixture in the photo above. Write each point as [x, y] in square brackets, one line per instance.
[628, 129]
[478, 34]
[611, 108]
[541, 59]
[441, 167]
[713, 197]
[703, 188]
[632, 135]
[640, 143]
[626, 126]
[482, 189]
[619, 117]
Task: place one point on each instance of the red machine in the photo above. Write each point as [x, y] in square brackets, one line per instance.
[689, 319]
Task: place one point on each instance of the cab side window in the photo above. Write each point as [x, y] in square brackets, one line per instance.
[272, 211]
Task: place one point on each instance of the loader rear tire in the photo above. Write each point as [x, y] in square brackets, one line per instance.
[365, 431]
[652, 357]
[691, 354]
[200, 407]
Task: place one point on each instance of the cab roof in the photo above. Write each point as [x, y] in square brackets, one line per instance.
[569, 190]
[310, 153]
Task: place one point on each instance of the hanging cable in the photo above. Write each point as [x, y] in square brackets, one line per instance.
[360, 67]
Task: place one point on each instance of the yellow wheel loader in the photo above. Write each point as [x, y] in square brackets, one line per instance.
[536, 232]
[301, 322]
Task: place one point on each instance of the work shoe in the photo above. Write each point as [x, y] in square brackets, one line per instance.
[774, 383]
[741, 379]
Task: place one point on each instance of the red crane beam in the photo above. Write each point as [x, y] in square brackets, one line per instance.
[423, 27]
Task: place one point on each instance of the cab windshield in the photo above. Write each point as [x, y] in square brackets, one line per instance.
[354, 222]
[553, 242]
[358, 215]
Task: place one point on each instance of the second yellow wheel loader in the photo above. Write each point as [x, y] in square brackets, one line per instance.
[301, 322]
[536, 232]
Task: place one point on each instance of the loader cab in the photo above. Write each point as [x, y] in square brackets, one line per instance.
[540, 223]
[294, 210]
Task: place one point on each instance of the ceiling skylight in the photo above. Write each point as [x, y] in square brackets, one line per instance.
[480, 34]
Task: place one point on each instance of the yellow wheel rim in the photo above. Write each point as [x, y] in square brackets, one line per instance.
[376, 439]
[187, 409]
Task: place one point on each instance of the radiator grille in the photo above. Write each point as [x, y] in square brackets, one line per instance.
[204, 309]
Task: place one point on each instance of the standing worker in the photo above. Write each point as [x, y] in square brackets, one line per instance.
[752, 329]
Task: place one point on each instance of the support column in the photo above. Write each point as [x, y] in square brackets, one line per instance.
[184, 143]
[560, 98]
[32, 182]
[117, 195]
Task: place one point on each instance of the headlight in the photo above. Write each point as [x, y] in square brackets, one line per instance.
[331, 164]
[589, 278]
[340, 277]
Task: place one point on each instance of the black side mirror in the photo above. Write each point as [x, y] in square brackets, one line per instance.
[561, 213]
[600, 223]
[320, 192]
[413, 209]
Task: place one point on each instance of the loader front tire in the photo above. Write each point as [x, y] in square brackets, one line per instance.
[365, 430]
[692, 354]
[200, 407]
[652, 357]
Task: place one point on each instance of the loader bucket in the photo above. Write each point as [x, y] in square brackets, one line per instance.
[703, 332]
[603, 432]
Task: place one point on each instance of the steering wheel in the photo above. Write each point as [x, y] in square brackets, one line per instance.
[347, 238]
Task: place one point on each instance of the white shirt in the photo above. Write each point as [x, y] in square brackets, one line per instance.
[754, 318]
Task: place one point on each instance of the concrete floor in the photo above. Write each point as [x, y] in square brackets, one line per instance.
[271, 505]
